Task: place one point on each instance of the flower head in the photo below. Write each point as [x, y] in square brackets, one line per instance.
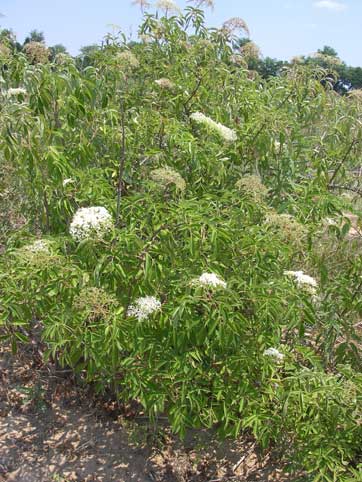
[227, 134]
[298, 59]
[328, 59]
[210, 280]
[165, 176]
[145, 38]
[330, 222]
[274, 353]
[201, 3]
[127, 59]
[250, 51]
[287, 227]
[238, 59]
[143, 307]
[142, 3]
[165, 83]
[63, 59]
[303, 280]
[253, 186]
[16, 91]
[38, 246]
[168, 6]
[94, 303]
[68, 181]
[37, 52]
[236, 24]
[276, 145]
[38, 253]
[92, 222]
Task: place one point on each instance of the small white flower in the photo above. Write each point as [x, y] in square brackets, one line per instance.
[237, 59]
[274, 353]
[165, 83]
[91, 222]
[127, 59]
[200, 3]
[227, 134]
[303, 280]
[38, 246]
[210, 280]
[16, 91]
[143, 307]
[168, 6]
[330, 222]
[68, 181]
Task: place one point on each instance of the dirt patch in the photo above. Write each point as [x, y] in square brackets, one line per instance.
[52, 430]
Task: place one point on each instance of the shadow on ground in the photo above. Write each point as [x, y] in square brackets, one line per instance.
[51, 430]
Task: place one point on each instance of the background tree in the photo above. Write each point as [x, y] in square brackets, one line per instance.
[57, 49]
[34, 36]
[87, 55]
[329, 51]
[8, 38]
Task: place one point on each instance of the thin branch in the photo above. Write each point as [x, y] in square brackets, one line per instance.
[122, 160]
[350, 147]
[346, 188]
[193, 93]
[58, 124]
[47, 210]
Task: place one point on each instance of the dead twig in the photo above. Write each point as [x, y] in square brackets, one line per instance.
[346, 188]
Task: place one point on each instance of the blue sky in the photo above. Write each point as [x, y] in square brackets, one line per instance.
[281, 28]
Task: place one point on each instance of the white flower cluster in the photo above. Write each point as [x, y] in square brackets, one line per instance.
[277, 145]
[166, 176]
[168, 6]
[165, 83]
[330, 222]
[236, 24]
[90, 222]
[143, 307]
[210, 280]
[303, 280]
[237, 59]
[127, 59]
[227, 134]
[274, 353]
[201, 3]
[68, 181]
[38, 246]
[16, 91]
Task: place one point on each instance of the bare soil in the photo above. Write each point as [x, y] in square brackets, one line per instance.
[54, 430]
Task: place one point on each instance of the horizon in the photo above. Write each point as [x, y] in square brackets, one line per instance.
[281, 28]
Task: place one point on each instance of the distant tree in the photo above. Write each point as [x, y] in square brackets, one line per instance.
[87, 55]
[57, 49]
[239, 43]
[354, 75]
[269, 67]
[326, 50]
[35, 36]
[8, 38]
[350, 78]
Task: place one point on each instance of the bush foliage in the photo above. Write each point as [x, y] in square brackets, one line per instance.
[220, 282]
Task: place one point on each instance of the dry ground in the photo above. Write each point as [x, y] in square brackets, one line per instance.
[53, 430]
